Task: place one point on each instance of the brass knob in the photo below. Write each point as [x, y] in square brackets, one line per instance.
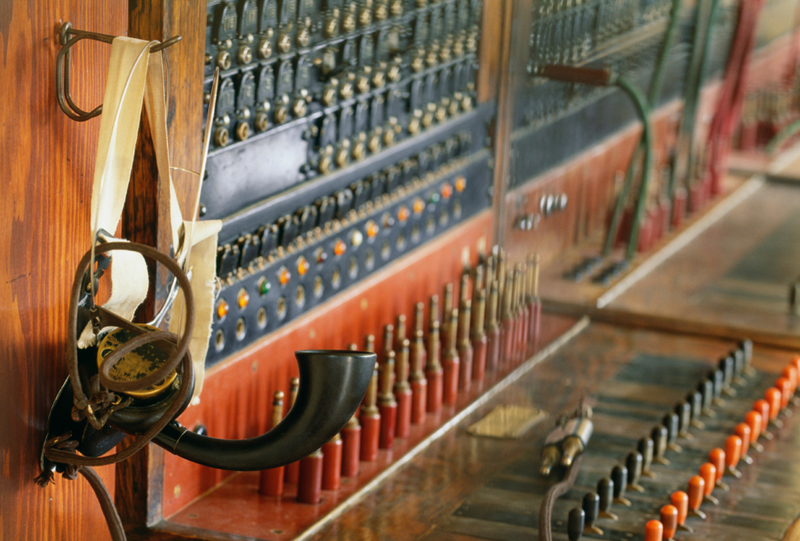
[245, 55]
[243, 131]
[418, 64]
[472, 43]
[299, 108]
[393, 74]
[264, 48]
[364, 17]
[303, 37]
[441, 114]
[381, 12]
[284, 43]
[331, 28]
[444, 54]
[328, 96]
[359, 151]
[378, 79]
[346, 91]
[427, 119]
[281, 113]
[422, 3]
[325, 165]
[453, 108]
[349, 23]
[466, 103]
[221, 137]
[374, 143]
[224, 60]
[430, 58]
[262, 122]
[341, 157]
[413, 126]
[396, 8]
[362, 84]
[388, 138]
[458, 48]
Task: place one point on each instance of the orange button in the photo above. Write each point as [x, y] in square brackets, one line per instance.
[762, 406]
[222, 308]
[302, 266]
[284, 276]
[681, 502]
[754, 420]
[743, 431]
[461, 183]
[696, 490]
[785, 387]
[339, 247]
[669, 518]
[419, 206]
[733, 451]
[773, 397]
[653, 531]
[796, 363]
[403, 213]
[717, 458]
[790, 372]
[243, 298]
[447, 191]
[708, 472]
[372, 229]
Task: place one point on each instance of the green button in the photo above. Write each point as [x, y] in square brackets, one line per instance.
[264, 286]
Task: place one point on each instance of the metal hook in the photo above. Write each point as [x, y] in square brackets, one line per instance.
[69, 37]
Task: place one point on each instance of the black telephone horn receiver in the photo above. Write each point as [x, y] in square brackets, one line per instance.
[332, 385]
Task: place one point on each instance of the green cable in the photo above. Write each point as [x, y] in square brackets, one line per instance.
[653, 96]
[693, 82]
[698, 83]
[658, 75]
[784, 135]
[642, 108]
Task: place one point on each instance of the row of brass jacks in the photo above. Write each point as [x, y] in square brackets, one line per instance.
[320, 470]
[412, 380]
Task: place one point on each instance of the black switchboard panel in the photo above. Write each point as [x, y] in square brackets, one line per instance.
[554, 120]
[345, 135]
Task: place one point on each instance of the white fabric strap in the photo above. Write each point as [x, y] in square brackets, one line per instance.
[135, 75]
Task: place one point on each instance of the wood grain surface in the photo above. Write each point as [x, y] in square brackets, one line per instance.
[737, 273]
[48, 163]
[146, 218]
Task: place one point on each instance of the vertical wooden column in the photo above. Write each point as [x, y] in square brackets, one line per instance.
[146, 216]
[505, 88]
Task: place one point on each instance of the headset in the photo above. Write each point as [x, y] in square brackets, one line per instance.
[138, 379]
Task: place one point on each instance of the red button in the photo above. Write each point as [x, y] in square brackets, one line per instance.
[447, 191]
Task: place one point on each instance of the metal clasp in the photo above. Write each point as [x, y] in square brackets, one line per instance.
[69, 37]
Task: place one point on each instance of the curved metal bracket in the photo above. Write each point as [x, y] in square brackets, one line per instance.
[69, 37]
[332, 385]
